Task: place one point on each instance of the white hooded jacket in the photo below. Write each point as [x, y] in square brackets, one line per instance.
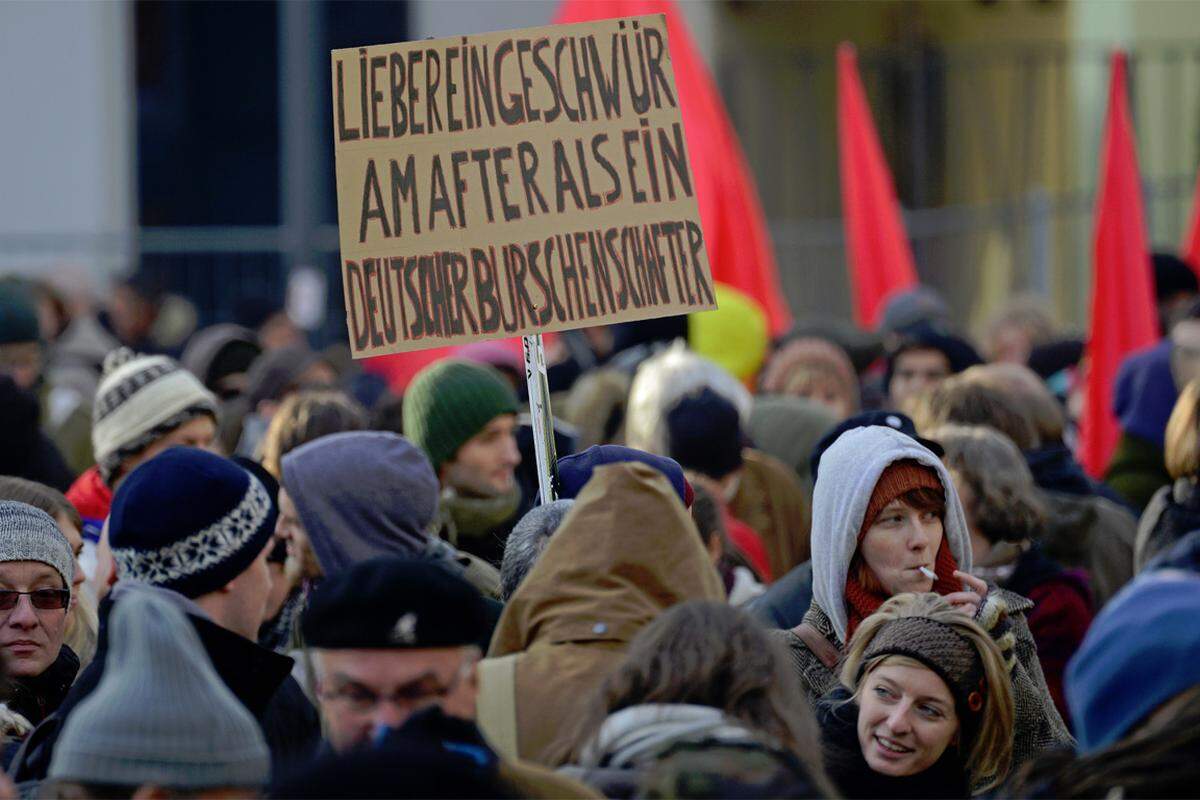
[848, 472]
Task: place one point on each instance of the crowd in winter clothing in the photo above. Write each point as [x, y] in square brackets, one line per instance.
[846, 563]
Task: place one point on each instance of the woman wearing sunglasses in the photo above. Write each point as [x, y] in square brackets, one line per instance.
[36, 570]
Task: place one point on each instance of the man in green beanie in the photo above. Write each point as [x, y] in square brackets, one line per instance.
[464, 416]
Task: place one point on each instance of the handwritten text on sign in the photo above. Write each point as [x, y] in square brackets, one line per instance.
[513, 183]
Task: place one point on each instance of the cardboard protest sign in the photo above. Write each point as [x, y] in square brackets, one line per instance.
[513, 183]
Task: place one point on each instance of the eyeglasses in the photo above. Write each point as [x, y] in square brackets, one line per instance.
[42, 599]
[361, 700]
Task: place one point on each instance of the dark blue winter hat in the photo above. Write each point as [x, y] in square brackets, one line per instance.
[575, 471]
[704, 433]
[190, 521]
[867, 419]
[1140, 652]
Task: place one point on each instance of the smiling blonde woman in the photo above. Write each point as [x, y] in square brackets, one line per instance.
[925, 708]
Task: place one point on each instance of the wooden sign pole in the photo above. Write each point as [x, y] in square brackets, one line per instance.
[539, 412]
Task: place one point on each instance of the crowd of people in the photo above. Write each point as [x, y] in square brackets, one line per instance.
[837, 563]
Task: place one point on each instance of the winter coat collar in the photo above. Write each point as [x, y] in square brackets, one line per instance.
[37, 697]
[251, 672]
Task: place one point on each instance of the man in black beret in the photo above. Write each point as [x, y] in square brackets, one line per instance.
[394, 646]
[388, 637]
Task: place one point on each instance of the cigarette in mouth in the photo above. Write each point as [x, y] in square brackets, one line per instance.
[928, 573]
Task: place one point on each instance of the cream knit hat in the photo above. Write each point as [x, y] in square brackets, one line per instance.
[139, 399]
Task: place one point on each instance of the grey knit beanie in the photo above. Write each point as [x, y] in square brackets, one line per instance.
[160, 713]
[30, 534]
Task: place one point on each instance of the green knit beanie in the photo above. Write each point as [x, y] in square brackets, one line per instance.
[450, 401]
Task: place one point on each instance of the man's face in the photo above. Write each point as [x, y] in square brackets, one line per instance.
[200, 432]
[290, 529]
[106, 566]
[30, 637]
[360, 691]
[249, 593]
[914, 372]
[21, 361]
[1185, 352]
[483, 467]
[132, 315]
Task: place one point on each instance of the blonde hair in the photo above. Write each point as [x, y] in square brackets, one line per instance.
[305, 416]
[1183, 434]
[83, 625]
[1007, 505]
[989, 756]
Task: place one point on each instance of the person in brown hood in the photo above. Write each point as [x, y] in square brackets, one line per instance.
[627, 551]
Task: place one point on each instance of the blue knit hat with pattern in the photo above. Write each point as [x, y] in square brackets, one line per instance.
[190, 521]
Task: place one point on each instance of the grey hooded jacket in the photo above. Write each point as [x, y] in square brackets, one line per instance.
[363, 494]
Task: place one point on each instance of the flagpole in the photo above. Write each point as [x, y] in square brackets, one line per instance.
[539, 412]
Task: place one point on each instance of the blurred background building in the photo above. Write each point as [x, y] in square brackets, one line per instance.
[192, 139]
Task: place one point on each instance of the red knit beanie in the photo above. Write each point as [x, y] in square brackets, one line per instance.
[899, 478]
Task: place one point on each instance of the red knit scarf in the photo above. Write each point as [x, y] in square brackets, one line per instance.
[862, 602]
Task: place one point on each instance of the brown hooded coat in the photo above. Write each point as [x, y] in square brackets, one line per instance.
[627, 551]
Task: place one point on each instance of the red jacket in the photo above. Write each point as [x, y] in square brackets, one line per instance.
[92, 499]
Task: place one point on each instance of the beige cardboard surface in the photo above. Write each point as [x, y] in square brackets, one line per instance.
[513, 183]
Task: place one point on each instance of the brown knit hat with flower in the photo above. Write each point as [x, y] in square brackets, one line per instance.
[899, 478]
[940, 647]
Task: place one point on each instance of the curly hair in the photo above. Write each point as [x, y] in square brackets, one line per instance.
[1183, 434]
[1007, 505]
[305, 416]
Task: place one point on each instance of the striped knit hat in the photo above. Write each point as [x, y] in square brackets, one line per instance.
[139, 400]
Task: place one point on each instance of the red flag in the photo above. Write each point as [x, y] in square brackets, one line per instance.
[1191, 244]
[1123, 310]
[735, 230]
[881, 261]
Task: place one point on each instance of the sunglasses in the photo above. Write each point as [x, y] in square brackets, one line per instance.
[42, 599]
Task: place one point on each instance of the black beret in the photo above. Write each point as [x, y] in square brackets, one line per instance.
[868, 419]
[392, 603]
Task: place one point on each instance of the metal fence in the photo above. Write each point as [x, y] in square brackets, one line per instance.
[993, 150]
[994, 153]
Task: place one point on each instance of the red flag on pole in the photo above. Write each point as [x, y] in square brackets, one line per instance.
[881, 261]
[735, 231]
[1191, 242]
[1123, 310]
